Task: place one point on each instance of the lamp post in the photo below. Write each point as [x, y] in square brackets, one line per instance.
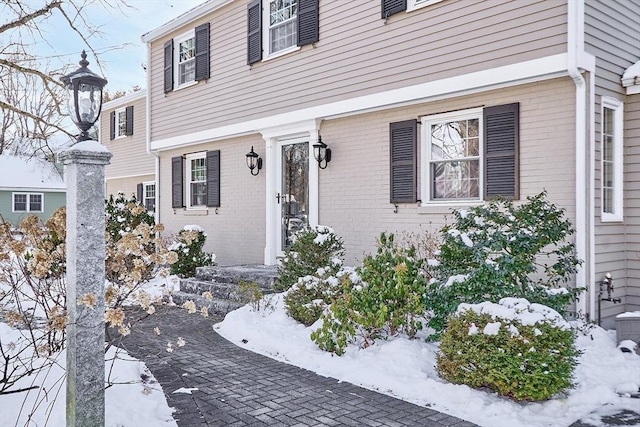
[84, 97]
[84, 172]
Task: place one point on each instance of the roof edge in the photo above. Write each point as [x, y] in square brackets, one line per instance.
[124, 99]
[183, 19]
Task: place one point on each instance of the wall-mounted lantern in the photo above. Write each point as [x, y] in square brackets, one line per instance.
[254, 162]
[321, 153]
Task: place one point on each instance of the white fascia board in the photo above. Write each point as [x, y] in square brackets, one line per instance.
[184, 19]
[115, 103]
[509, 75]
[34, 190]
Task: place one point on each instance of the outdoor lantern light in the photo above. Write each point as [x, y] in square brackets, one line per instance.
[321, 153]
[254, 162]
[84, 97]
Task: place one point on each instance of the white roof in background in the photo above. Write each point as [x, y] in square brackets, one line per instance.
[20, 173]
[184, 19]
[631, 79]
[124, 99]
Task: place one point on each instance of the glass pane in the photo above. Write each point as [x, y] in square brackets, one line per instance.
[456, 180]
[607, 121]
[150, 204]
[607, 174]
[198, 194]
[607, 200]
[454, 140]
[198, 170]
[35, 202]
[607, 148]
[150, 190]
[20, 202]
[294, 199]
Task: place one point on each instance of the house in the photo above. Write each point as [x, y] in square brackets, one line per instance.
[123, 131]
[29, 186]
[413, 107]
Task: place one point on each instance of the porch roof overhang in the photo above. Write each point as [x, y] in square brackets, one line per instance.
[631, 79]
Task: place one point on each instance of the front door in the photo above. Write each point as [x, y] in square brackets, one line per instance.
[293, 190]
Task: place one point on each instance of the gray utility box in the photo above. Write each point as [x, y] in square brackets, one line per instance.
[628, 326]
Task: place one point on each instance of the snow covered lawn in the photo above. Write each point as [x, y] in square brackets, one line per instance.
[406, 369]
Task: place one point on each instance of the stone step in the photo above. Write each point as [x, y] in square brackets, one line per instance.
[215, 306]
[219, 290]
[262, 275]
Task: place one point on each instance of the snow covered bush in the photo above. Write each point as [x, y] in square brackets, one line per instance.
[188, 245]
[387, 299]
[500, 250]
[312, 248]
[123, 215]
[520, 350]
[306, 300]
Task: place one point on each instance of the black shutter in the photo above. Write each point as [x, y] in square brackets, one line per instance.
[403, 159]
[501, 140]
[308, 22]
[391, 7]
[112, 125]
[177, 186]
[254, 32]
[202, 52]
[168, 66]
[213, 178]
[129, 120]
[140, 196]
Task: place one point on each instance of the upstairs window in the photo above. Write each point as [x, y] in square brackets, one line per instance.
[186, 58]
[275, 27]
[611, 162]
[27, 202]
[121, 122]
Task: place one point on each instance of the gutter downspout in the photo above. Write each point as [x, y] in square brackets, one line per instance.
[575, 46]
[147, 113]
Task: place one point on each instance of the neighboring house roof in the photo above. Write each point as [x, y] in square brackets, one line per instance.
[21, 173]
[631, 79]
[124, 99]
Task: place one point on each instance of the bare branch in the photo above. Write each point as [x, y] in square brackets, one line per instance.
[27, 18]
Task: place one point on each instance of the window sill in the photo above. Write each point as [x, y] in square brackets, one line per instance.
[281, 53]
[186, 85]
[607, 217]
[428, 207]
[196, 212]
[413, 6]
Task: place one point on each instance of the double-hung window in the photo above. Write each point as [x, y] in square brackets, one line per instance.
[185, 58]
[611, 162]
[281, 25]
[28, 202]
[453, 147]
[196, 180]
[121, 122]
[149, 196]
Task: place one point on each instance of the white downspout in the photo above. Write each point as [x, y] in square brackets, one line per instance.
[147, 113]
[575, 46]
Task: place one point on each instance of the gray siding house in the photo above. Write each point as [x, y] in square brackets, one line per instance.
[533, 89]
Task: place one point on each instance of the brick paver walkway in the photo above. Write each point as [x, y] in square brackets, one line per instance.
[239, 388]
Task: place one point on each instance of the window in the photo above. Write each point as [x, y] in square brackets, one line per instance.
[195, 178]
[186, 58]
[147, 195]
[464, 156]
[453, 149]
[28, 202]
[611, 160]
[280, 26]
[121, 122]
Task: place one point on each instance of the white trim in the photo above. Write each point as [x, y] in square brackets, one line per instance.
[188, 35]
[144, 194]
[425, 156]
[618, 161]
[33, 190]
[510, 75]
[266, 34]
[128, 176]
[633, 90]
[184, 19]
[116, 125]
[127, 99]
[419, 4]
[187, 180]
[27, 202]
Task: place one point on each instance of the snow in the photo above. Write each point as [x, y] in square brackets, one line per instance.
[406, 369]
[89, 145]
[24, 173]
[628, 314]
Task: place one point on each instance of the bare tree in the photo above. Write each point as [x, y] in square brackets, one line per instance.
[31, 94]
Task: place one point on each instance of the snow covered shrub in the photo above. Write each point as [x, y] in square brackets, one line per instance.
[306, 300]
[312, 248]
[520, 350]
[500, 250]
[123, 215]
[188, 245]
[388, 301]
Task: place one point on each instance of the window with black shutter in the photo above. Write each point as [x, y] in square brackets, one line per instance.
[177, 186]
[202, 52]
[213, 178]
[391, 7]
[501, 140]
[168, 66]
[129, 120]
[403, 150]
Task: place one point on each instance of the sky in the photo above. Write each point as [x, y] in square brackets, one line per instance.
[116, 41]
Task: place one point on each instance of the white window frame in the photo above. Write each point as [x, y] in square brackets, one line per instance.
[419, 4]
[618, 160]
[188, 182]
[176, 59]
[266, 34]
[425, 155]
[146, 185]
[28, 202]
[121, 122]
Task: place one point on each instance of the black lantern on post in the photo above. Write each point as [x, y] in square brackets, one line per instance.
[84, 97]
[321, 153]
[254, 162]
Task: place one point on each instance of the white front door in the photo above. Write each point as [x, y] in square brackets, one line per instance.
[292, 190]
